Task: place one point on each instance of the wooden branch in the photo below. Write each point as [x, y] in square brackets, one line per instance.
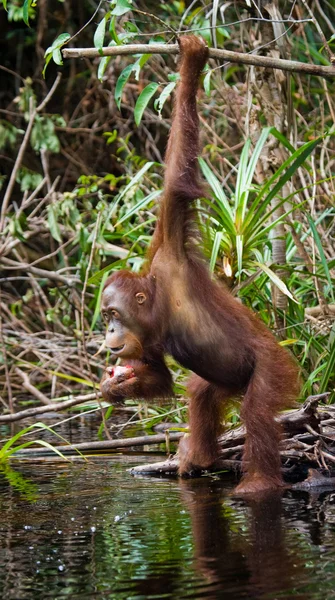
[42, 273]
[51, 406]
[226, 55]
[316, 311]
[31, 388]
[159, 438]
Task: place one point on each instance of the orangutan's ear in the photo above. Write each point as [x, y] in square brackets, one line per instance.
[140, 297]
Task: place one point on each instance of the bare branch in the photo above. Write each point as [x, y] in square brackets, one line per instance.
[31, 388]
[227, 55]
[51, 406]
[43, 273]
[144, 440]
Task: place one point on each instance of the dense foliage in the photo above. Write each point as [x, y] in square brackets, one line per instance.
[82, 173]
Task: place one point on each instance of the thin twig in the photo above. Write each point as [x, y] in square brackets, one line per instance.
[32, 111]
[50, 93]
[17, 165]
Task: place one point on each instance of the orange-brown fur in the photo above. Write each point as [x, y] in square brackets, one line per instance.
[196, 320]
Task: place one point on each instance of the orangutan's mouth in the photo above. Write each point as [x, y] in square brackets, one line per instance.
[117, 349]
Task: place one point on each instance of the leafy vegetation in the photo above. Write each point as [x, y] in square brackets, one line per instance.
[82, 175]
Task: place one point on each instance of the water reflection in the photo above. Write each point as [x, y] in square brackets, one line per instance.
[93, 531]
[256, 558]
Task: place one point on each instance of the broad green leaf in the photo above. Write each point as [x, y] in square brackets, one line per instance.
[121, 8]
[99, 34]
[27, 4]
[57, 56]
[121, 82]
[143, 101]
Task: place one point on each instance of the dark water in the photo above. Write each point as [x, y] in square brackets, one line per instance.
[93, 531]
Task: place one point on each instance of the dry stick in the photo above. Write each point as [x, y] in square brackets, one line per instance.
[17, 164]
[320, 32]
[8, 381]
[31, 388]
[23, 146]
[144, 440]
[43, 273]
[234, 57]
[38, 410]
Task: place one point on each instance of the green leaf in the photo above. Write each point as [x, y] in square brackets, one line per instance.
[121, 8]
[257, 209]
[139, 64]
[97, 305]
[219, 193]
[102, 66]
[121, 82]
[53, 224]
[239, 250]
[26, 6]
[57, 56]
[57, 43]
[112, 31]
[51, 52]
[276, 280]
[322, 254]
[136, 178]
[143, 101]
[99, 35]
[139, 206]
[215, 250]
[328, 373]
[207, 83]
[72, 378]
[159, 103]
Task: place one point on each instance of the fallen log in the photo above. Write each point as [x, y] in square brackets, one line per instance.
[305, 442]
